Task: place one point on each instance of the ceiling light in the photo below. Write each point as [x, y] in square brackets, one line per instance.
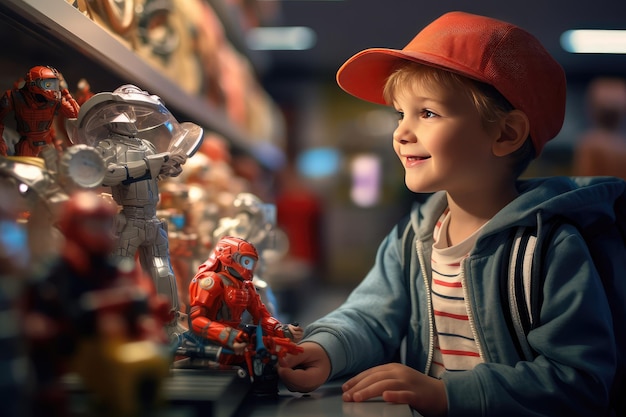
[294, 38]
[587, 41]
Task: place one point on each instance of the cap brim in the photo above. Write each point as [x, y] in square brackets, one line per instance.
[364, 75]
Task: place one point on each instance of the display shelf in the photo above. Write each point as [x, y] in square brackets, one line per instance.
[59, 20]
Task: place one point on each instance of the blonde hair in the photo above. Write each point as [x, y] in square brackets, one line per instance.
[490, 104]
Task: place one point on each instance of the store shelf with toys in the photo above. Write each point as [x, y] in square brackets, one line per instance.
[111, 199]
[178, 50]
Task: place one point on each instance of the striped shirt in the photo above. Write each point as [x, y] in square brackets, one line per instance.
[455, 347]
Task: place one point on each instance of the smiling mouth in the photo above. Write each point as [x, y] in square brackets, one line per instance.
[416, 158]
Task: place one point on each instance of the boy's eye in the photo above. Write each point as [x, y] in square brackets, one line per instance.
[428, 114]
[400, 115]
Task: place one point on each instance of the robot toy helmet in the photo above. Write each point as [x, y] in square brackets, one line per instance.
[237, 255]
[44, 81]
[128, 110]
[123, 125]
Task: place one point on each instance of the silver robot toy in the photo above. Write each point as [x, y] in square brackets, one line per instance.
[140, 142]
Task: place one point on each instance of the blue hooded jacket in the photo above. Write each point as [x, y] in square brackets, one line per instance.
[575, 343]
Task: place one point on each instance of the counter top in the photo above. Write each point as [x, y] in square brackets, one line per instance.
[324, 402]
[224, 393]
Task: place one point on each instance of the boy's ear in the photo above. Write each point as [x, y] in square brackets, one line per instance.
[514, 131]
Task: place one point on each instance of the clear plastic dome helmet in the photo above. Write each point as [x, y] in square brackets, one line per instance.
[152, 121]
[123, 125]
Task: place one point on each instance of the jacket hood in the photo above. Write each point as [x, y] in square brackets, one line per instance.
[581, 200]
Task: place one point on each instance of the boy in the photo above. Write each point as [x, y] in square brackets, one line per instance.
[477, 100]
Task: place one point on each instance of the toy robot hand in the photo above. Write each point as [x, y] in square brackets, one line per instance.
[242, 337]
[178, 158]
[172, 167]
[65, 94]
[240, 343]
[70, 106]
[170, 170]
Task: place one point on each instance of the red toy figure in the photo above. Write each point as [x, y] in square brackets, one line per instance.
[219, 294]
[83, 92]
[85, 312]
[35, 105]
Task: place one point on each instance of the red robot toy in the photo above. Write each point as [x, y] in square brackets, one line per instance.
[221, 291]
[35, 105]
[85, 314]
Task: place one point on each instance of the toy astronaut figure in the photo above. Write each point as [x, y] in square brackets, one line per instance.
[140, 142]
[255, 221]
[35, 105]
[220, 293]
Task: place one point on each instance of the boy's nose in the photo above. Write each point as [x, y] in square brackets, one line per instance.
[403, 135]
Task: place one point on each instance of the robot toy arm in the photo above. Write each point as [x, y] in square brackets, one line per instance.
[214, 331]
[68, 106]
[131, 171]
[271, 326]
[206, 293]
[262, 316]
[172, 166]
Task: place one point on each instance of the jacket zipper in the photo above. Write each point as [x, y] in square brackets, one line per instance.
[470, 312]
[431, 326]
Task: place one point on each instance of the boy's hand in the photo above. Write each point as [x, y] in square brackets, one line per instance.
[397, 383]
[305, 371]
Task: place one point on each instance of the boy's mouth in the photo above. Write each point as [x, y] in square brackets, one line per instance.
[415, 158]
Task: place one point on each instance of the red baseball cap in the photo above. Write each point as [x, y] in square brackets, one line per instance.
[481, 48]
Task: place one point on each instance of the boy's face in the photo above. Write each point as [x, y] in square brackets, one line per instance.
[441, 140]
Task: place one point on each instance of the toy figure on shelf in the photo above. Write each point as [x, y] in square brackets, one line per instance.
[140, 142]
[255, 221]
[35, 105]
[86, 314]
[252, 220]
[83, 91]
[42, 184]
[183, 237]
[220, 292]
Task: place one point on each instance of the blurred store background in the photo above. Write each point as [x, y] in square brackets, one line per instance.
[259, 76]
